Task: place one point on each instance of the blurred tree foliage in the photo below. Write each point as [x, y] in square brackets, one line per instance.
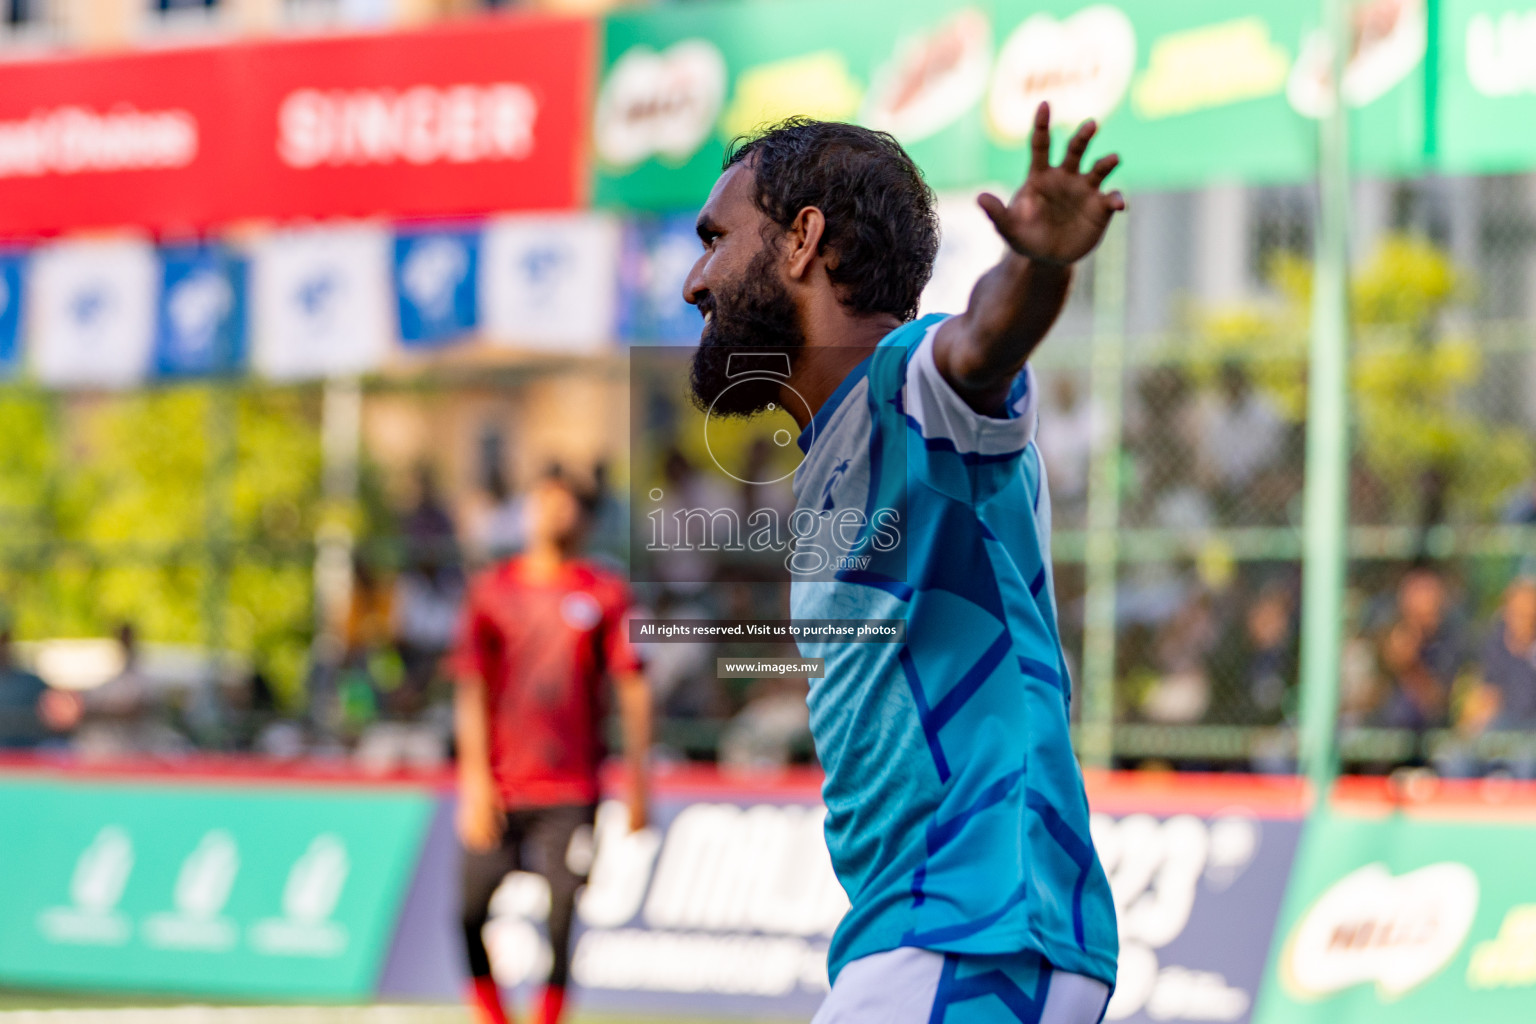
[1421, 421]
[126, 509]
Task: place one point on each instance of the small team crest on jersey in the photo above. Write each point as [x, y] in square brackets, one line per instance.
[580, 610]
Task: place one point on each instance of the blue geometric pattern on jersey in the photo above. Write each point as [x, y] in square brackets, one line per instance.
[1011, 989]
[956, 816]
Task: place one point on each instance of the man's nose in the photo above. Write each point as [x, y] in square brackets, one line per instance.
[693, 284]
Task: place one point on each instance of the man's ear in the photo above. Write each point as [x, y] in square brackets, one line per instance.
[805, 236]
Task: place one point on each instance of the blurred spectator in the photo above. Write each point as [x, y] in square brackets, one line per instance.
[386, 747]
[426, 612]
[499, 531]
[695, 507]
[251, 707]
[428, 595]
[608, 536]
[355, 690]
[1242, 437]
[23, 696]
[430, 535]
[1520, 509]
[1506, 696]
[371, 613]
[1182, 691]
[1069, 430]
[1254, 667]
[767, 732]
[1421, 653]
[1164, 431]
[763, 491]
[683, 675]
[128, 714]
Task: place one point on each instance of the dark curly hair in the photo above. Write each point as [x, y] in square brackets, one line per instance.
[880, 219]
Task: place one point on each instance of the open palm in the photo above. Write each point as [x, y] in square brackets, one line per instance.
[1060, 214]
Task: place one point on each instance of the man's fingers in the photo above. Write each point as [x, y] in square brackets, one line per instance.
[1073, 161]
[994, 207]
[1116, 201]
[1040, 141]
[1102, 169]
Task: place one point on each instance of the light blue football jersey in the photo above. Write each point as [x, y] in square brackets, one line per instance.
[956, 816]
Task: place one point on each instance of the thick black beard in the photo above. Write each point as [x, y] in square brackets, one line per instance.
[756, 316]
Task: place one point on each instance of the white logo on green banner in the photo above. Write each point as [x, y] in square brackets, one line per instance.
[309, 898]
[933, 80]
[202, 890]
[1370, 926]
[1391, 38]
[95, 888]
[659, 104]
[1499, 53]
[1082, 65]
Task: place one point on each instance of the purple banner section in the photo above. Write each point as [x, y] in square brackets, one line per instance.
[426, 959]
[1197, 899]
[724, 906]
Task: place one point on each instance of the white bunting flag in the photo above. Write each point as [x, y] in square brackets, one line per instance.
[550, 282]
[321, 303]
[92, 313]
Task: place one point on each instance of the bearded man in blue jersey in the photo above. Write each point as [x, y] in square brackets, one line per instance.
[956, 816]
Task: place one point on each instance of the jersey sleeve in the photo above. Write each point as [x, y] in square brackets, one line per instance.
[947, 422]
[474, 641]
[618, 653]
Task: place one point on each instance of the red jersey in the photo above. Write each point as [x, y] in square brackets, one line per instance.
[543, 650]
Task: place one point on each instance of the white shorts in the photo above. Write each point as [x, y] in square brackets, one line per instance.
[919, 986]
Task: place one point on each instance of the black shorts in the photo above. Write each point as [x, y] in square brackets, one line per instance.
[537, 840]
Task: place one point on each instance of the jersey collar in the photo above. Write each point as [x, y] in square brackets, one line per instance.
[829, 407]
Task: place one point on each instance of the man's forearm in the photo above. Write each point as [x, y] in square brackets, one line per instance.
[472, 733]
[1012, 308]
[635, 721]
[1055, 219]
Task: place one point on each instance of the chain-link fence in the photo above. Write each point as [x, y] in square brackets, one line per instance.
[1173, 430]
[1176, 445]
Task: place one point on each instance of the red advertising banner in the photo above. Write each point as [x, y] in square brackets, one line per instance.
[488, 115]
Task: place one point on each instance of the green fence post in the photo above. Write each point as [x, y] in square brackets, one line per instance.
[1327, 475]
[1101, 562]
[218, 494]
[341, 447]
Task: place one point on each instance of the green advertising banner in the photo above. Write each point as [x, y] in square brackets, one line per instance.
[680, 82]
[1487, 86]
[249, 891]
[1387, 85]
[1188, 93]
[1391, 918]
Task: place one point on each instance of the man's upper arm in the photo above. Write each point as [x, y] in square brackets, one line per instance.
[942, 414]
[621, 656]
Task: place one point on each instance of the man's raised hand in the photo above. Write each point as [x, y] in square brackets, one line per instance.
[1060, 214]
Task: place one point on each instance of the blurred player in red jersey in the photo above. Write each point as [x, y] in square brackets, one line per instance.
[541, 633]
